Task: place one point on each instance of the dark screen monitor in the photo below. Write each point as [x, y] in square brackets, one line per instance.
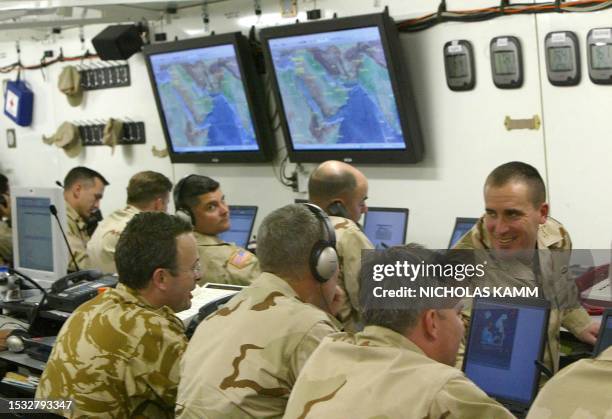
[242, 220]
[505, 343]
[604, 340]
[462, 226]
[209, 99]
[386, 227]
[343, 91]
[300, 201]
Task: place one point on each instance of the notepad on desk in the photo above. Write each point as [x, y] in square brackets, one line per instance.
[204, 295]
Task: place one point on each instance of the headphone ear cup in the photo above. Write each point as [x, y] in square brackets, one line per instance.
[185, 215]
[14, 341]
[323, 261]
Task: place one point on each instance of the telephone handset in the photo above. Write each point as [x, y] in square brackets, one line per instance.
[74, 278]
[337, 209]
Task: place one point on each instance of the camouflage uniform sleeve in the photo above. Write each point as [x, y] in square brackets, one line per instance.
[353, 243]
[80, 252]
[307, 345]
[157, 370]
[243, 266]
[576, 320]
[107, 258]
[6, 243]
[459, 398]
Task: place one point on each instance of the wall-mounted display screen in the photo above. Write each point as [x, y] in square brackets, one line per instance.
[342, 90]
[209, 99]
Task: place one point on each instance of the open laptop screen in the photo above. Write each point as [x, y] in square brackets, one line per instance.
[462, 226]
[242, 219]
[506, 338]
[386, 227]
[604, 341]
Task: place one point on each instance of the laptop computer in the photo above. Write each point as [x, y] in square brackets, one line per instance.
[242, 220]
[505, 345]
[604, 340]
[386, 227]
[462, 226]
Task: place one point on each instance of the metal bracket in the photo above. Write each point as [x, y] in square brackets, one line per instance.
[531, 123]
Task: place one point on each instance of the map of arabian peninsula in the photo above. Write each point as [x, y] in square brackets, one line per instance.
[338, 94]
[204, 103]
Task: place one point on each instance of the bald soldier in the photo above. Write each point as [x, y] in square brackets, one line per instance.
[83, 191]
[580, 390]
[242, 360]
[146, 191]
[530, 249]
[400, 365]
[200, 200]
[6, 234]
[118, 355]
[341, 190]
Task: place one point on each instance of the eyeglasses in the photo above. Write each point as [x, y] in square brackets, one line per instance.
[196, 269]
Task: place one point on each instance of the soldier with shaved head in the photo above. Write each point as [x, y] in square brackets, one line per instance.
[341, 190]
[118, 354]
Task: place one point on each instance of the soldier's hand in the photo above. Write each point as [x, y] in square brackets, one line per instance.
[337, 302]
[589, 335]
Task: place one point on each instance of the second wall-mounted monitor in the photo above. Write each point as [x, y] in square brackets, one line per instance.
[343, 91]
[210, 100]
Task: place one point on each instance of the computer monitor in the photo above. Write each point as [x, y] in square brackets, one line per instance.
[38, 246]
[462, 226]
[343, 90]
[300, 201]
[505, 344]
[242, 220]
[210, 99]
[386, 227]
[604, 340]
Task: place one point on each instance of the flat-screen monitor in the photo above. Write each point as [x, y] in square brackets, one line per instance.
[38, 246]
[386, 227]
[506, 340]
[343, 91]
[462, 226]
[300, 201]
[242, 220]
[210, 99]
[604, 340]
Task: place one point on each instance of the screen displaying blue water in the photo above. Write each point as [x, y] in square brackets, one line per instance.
[204, 101]
[336, 91]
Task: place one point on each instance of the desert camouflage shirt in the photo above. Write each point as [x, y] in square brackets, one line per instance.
[116, 357]
[77, 237]
[378, 373]
[101, 247]
[243, 360]
[581, 390]
[350, 241]
[554, 246]
[225, 263]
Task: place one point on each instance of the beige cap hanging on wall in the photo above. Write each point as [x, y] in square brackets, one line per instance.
[68, 138]
[70, 84]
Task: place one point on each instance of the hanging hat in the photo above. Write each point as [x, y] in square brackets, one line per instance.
[70, 84]
[113, 132]
[67, 137]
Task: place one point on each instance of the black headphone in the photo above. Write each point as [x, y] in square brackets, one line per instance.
[337, 209]
[323, 260]
[182, 211]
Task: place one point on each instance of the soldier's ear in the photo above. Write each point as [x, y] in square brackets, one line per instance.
[160, 278]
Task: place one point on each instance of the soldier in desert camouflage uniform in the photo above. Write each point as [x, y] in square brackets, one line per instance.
[400, 365]
[6, 235]
[83, 191]
[341, 190]
[201, 200]
[515, 225]
[118, 354]
[243, 360]
[146, 191]
[581, 390]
